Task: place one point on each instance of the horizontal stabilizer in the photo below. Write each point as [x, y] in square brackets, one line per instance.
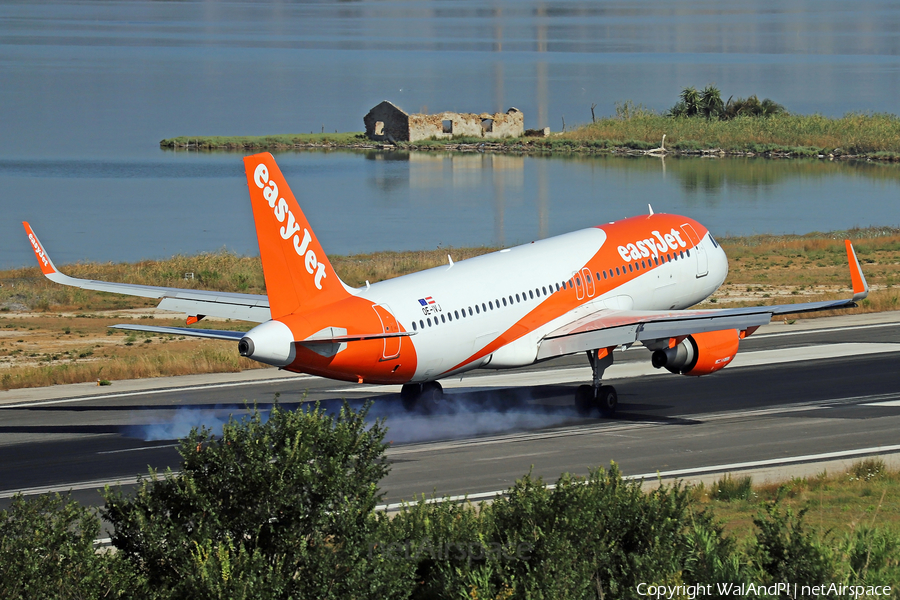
[203, 333]
[357, 337]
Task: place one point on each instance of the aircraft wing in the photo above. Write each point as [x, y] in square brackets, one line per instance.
[610, 328]
[245, 307]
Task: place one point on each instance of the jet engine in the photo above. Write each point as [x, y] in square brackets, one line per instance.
[699, 353]
[271, 343]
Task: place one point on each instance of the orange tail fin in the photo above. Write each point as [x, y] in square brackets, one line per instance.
[298, 274]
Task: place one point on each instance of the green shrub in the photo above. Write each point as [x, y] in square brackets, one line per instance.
[47, 551]
[273, 508]
[868, 468]
[785, 550]
[731, 488]
[590, 537]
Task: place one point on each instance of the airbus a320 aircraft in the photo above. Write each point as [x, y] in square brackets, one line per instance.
[587, 291]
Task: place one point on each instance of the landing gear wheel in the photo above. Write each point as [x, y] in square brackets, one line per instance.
[584, 400]
[431, 397]
[409, 394]
[424, 396]
[607, 400]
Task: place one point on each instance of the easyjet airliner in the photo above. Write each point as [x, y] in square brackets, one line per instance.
[587, 291]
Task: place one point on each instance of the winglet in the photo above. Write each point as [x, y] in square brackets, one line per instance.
[860, 287]
[44, 262]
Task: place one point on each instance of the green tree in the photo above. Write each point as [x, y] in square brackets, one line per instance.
[710, 105]
[689, 105]
[47, 551]
[274, 508]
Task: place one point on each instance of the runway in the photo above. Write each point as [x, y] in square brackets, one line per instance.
[822, 387]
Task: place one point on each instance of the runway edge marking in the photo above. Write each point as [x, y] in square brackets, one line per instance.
[740, 466]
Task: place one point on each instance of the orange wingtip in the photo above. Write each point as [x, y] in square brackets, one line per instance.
[44, 261]
[860, 287]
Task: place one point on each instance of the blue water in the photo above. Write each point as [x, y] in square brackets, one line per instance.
[87, 90]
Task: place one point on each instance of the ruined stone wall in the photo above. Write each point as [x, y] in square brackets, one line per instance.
[448, 124]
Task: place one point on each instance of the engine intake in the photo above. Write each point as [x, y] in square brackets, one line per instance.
[699, 353]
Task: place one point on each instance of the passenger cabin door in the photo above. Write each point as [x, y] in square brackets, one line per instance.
[702, 259]
[588, 282]
[388, 325]
[579, 285]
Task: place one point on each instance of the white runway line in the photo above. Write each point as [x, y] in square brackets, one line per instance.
[189, 388]
[885, 403]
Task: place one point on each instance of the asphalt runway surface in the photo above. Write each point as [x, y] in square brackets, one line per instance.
[788, 394]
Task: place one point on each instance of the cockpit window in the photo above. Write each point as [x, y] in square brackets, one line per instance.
[713, 240]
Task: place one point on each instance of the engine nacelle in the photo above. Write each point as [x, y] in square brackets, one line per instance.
[271, 343]
[699, 353]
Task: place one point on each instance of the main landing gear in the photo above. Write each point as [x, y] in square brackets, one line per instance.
[424, 396]
[596, 396]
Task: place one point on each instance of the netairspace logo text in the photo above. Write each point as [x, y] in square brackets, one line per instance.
[833, 590]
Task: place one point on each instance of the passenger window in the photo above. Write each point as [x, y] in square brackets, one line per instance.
[414, 325]
[688, 252]
[429, 321]
[669, 257]
[598, 275]
[490, 305]
[449, 316]
[563, 285]
[557, 287]
[604, 274]
[531, 294]
[504, 302]
[421, 324]
[682, 254]
[630, 268]
[517, 298]
[477, 309]
[617, 271]
[470, 311]
[656, 260]
[443, 320]
[483, 307]
[456, 312]
[589, 277]
[545, 290]
[643, 265]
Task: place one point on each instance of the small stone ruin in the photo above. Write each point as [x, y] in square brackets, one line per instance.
[387, 122]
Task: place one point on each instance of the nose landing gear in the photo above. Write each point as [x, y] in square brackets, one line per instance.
[596, 396]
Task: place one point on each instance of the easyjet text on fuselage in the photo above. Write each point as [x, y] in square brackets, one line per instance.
[660, 242]
[292, 228]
